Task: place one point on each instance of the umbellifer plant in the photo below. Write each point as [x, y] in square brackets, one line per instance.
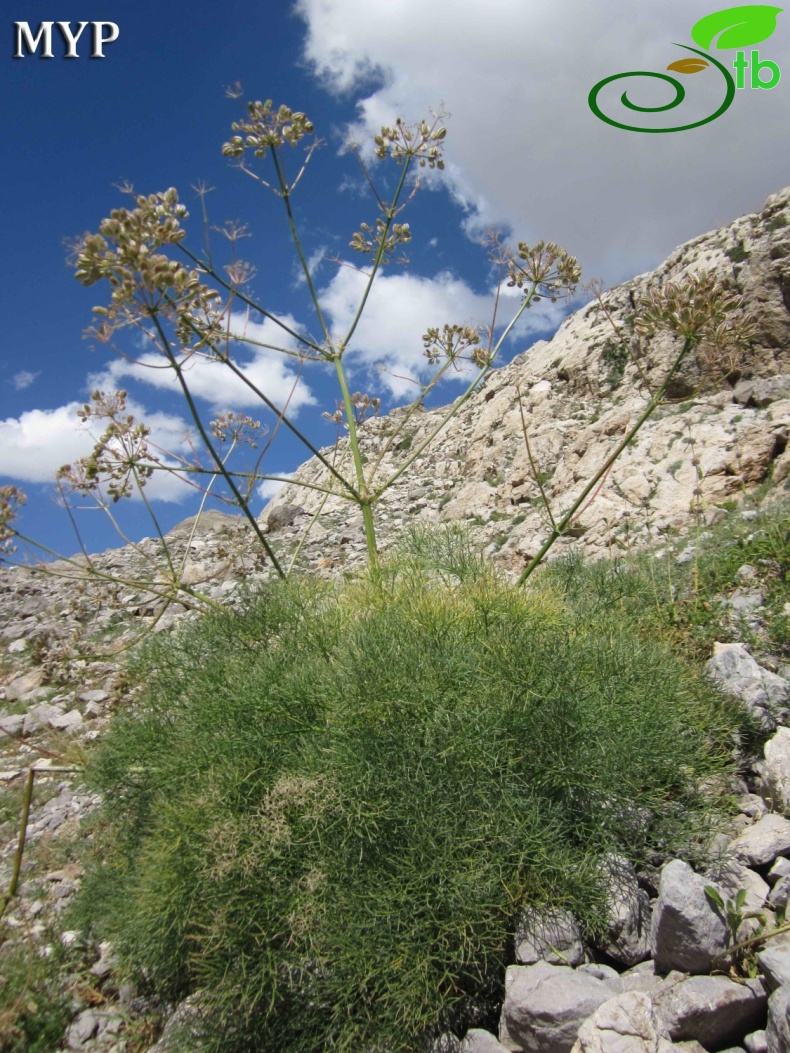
[188, 308]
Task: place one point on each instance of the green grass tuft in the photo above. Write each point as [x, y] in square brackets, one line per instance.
[328, 812]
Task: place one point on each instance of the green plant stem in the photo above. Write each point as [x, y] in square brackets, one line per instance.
[688, 343]
[753, 940]
[535, 472]
[390, 214]
[280, 414]
[209, 446]
[292, 427]
[363, 500]
[249, 302]
[409, 414]
[459, 402]
[154, 520]
[20, 848]
[200, 512]
[285, 194]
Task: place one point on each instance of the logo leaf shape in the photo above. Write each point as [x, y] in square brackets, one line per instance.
[688, 65]
[739, 26]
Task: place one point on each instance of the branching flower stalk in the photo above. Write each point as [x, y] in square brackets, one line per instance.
[184, 307]
[185, 317]
[699, 311]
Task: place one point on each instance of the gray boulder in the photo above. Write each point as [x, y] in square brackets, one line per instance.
[687, 933]
[774, 961]
[736, 672]
[545, 1005]
[777, 769]
[549, 936]
[626, 1023]
[627, 938]
[282, 516]
[714, 1010]
[777, 1030]
[479, 1041]
[760, 844]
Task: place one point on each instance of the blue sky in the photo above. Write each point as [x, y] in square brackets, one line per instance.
[523, 152]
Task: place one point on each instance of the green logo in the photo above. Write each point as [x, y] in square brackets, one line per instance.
[735, 27]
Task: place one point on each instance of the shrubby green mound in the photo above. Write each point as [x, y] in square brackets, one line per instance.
[327, 812]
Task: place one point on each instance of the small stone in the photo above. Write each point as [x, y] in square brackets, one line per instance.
[94, 695]
[70, 721]
[17, 646]
[13, 725]
[627, 938]
[106, 963]
[82, 1029]
[752, 805]
[756, 1042]
[479, 1041]
[761, 843]
[64, 889]
[777, 768]
[549, 936]
[779, 869]
[774, 961]
[746, 573]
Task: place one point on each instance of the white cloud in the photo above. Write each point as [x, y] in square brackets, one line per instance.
[24, 378]
[523, 148]
[272, 372]
[36, 444]
[269, 487]
[401, 307]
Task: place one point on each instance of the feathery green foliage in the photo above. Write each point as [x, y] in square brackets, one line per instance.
[327, 813]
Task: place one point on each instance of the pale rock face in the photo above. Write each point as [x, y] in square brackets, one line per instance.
[545, 1005]
[687, 933]
[549, 936]
[725, 437]
[626, 1023]
[777, 768]
[713, 1010]
[777, 1031]
[760, 844]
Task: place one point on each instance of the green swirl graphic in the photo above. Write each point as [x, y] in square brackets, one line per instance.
[680, 94]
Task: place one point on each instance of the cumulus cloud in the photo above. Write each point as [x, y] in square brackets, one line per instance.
[36, 444]
[273, 373]
[269, 487]
[401, 307]
[523, 147]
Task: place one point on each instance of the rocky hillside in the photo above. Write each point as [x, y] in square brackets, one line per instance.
[722, 433]
[714, 438]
